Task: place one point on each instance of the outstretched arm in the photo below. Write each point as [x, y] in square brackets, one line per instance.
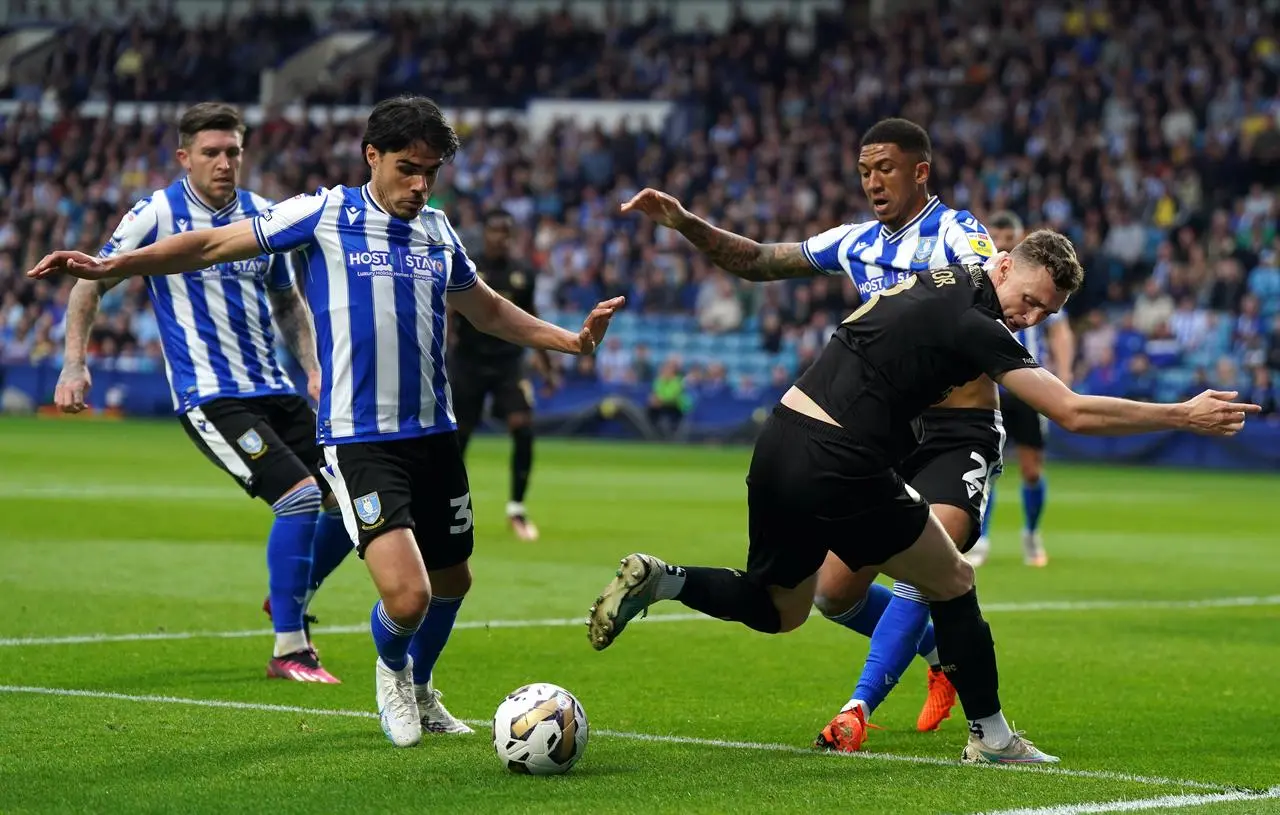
[184, 252]
[494, 314]
[735, 254]
[1212, 413]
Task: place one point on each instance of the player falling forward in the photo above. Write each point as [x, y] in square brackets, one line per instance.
[955, 465]
[484, 365]
[232, 398]
[378, 264]
[821, 477]
[1027, 428]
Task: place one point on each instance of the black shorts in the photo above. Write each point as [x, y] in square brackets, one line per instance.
[418, 484]
[957, 461]
[808, 492]
[472, 381]
[267, 443]
[1026, 428]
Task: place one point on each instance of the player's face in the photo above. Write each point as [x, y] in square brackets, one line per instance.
[1027, 293]
[403, 180]
[893, 181]
[212, 162]
[497, 237]
[1005, 238]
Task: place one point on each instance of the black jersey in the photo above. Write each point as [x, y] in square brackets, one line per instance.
[903, 350]
[514, 281]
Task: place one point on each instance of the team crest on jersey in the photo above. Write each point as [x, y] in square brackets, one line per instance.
[252, 444]
[369, 509]
[925, 250]
[981, 244]
[433, 228]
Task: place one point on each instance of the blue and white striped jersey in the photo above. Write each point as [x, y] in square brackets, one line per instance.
[215, 323]
[1033, 338]
[877, 259]
[376, 287]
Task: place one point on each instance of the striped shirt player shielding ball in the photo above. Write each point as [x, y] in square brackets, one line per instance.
[377, 264]
[230, 394]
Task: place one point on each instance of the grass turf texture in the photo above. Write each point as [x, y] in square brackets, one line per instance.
[123, 528]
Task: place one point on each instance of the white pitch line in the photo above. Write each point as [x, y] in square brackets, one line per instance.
[564, 622]
[1100, 775]
[1163, 802]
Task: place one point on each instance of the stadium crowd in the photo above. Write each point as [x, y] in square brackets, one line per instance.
[1156, 148]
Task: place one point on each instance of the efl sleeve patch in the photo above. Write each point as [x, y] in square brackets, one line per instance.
[981, 244]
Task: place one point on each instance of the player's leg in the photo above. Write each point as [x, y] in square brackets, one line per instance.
[965, 646]
[1031, 462]
[513, 400]
[848, 598]
[788, 497]
[469, 385]
[446, 535]
[372, 485]
[236, 435]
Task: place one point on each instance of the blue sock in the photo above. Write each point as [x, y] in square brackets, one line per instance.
[1033, 503]
[990, 509]
[864, 616]
[289, 556]
[330, 546]
[391, 639]
[432, 636]
[893, 645]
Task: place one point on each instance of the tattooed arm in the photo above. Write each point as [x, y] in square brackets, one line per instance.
[735, 254]
[74, 380]
[295, 328]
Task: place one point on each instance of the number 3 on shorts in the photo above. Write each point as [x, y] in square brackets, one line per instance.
[463, 515]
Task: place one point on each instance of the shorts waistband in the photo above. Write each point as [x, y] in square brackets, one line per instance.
[985, 414]
[815, 426]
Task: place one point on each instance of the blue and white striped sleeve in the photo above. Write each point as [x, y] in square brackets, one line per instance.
[280, 272]
[290, 224]
[462, 272]
[823, 249]
[136, 229]
[966, 240]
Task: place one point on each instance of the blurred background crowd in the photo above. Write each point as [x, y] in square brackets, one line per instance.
[1147, 132]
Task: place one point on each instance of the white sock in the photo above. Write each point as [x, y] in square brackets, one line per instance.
[866, 709]
[290, 642]
[993, 731]
[932, 658]
[670, 581]
[515, 508]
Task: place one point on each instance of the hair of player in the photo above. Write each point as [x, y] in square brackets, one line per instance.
[208, 116]
[1053, 251]
[496, 214]
[396, 123]
[906, 135]
[1005, 219]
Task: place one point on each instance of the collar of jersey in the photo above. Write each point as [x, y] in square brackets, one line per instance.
[371, 201]
[894, 237]
[195, 198]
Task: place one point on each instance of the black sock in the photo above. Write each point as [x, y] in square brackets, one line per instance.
[521, 462]
[727, 594]
[968, 653]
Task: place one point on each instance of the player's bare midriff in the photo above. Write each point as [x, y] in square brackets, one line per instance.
[980, 393]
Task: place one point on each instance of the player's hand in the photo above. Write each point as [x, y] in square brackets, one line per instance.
[597, 324]
[72, 388]
[661, 208]
[313, 385]
[1216, 413]
[76, 264]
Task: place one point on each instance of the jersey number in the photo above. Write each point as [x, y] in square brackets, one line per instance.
[875, 298]
[462, 505]
[978, 480]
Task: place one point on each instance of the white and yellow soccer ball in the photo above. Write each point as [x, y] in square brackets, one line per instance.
[540, 729]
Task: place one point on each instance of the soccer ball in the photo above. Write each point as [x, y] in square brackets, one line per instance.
[540, 729]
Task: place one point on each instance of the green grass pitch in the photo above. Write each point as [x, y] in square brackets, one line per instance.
[1145, 654]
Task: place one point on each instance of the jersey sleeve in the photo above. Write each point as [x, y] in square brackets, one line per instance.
[967, 240]
[987, 343]
[280, 275]
[137, 228]
[290, 224]
[823, 249]
[462, 272]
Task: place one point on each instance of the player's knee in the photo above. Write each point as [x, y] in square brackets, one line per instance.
[956, 582]
[454, 581]
[834, 603]
[518, 422]
[407, 604]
